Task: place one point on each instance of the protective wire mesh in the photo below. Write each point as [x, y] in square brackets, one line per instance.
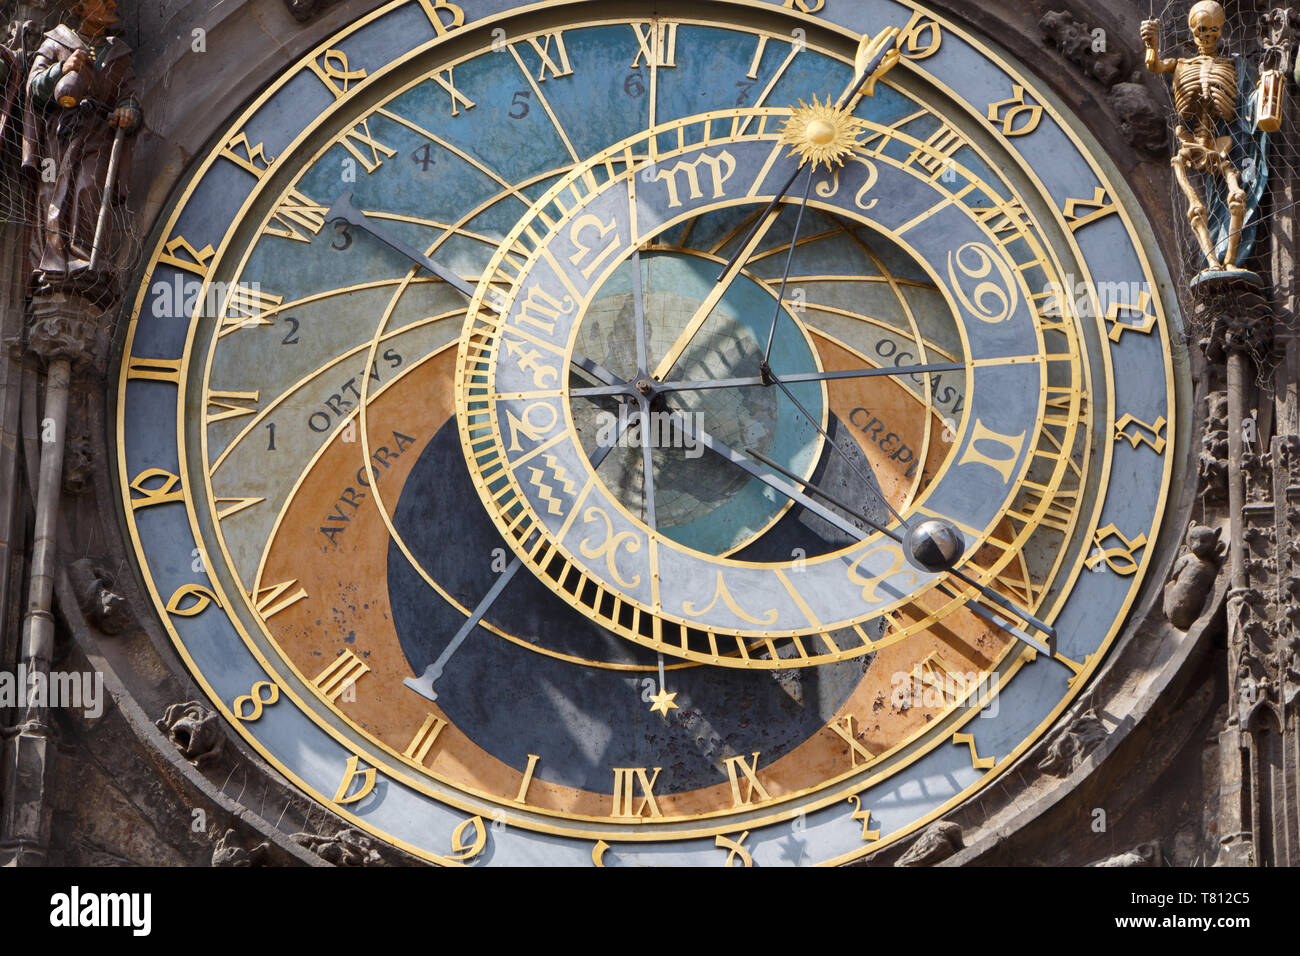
[1247, 33]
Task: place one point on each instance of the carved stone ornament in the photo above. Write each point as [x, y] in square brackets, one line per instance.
[195, 730]
[98, 599]
[1077, 41]
[346, 848]
[228, 852]
[1073, 744]
[68, 326]
[1193, 576]
[1145, 854]
[938, 842]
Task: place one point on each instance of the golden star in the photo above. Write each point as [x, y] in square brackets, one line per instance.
[821, 133]
[663, 702]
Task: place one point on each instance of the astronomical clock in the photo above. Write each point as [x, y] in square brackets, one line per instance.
[647, 434]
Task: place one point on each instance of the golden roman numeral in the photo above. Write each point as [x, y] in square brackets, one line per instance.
[297, 212]
[542, 46]
[248, 306]
[738, 767]
[626, 781]
[424, 738]
[233, 404]
[270, 601]
[657, 44]
[935, 154]
[526, 782]
[844, 729]
[458, 99]
[1058, 513]
[344, 671]
[359, 137]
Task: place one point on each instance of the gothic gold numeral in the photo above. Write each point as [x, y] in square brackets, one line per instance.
[1010, 445]
[435, 9]
[254, 701]
[626, 782]
[735, 848]
[298, 217]
[1144, 309]
[271, 600]
[336, 73]
[1139, 435]
[424, 738]
[247, 156]
[167, 490]
[738, 767]
[180, 254]
[350, 790]
[344, 671]
[468, 840]
[1121, 560]
[868, 835]
[154, 370]
[1017, 118]
[1101, 205]
[920, 38]
[198, 596]
[978, 762]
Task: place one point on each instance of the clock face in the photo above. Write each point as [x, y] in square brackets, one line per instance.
[448, 457]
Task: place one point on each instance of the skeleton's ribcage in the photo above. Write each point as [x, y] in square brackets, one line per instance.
[1206, 87]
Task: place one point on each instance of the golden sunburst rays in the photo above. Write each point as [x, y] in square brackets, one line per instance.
[822, 133]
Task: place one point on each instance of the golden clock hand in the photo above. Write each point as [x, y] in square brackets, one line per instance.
[876, 56]
[423, 684]
[756, 380]
[912, 544]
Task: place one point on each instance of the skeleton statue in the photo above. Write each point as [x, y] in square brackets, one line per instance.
[1213, 96]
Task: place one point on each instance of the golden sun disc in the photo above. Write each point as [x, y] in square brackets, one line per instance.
[821, 134]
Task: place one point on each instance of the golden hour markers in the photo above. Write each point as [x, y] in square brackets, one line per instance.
[424, 738]
[341, 674]
[738, 768]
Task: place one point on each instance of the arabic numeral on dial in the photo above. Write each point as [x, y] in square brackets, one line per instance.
[291, 337]
[342, 237]
[270, 445]
[744, 86]
[519, 105]
[423, 157]
[634, 85]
